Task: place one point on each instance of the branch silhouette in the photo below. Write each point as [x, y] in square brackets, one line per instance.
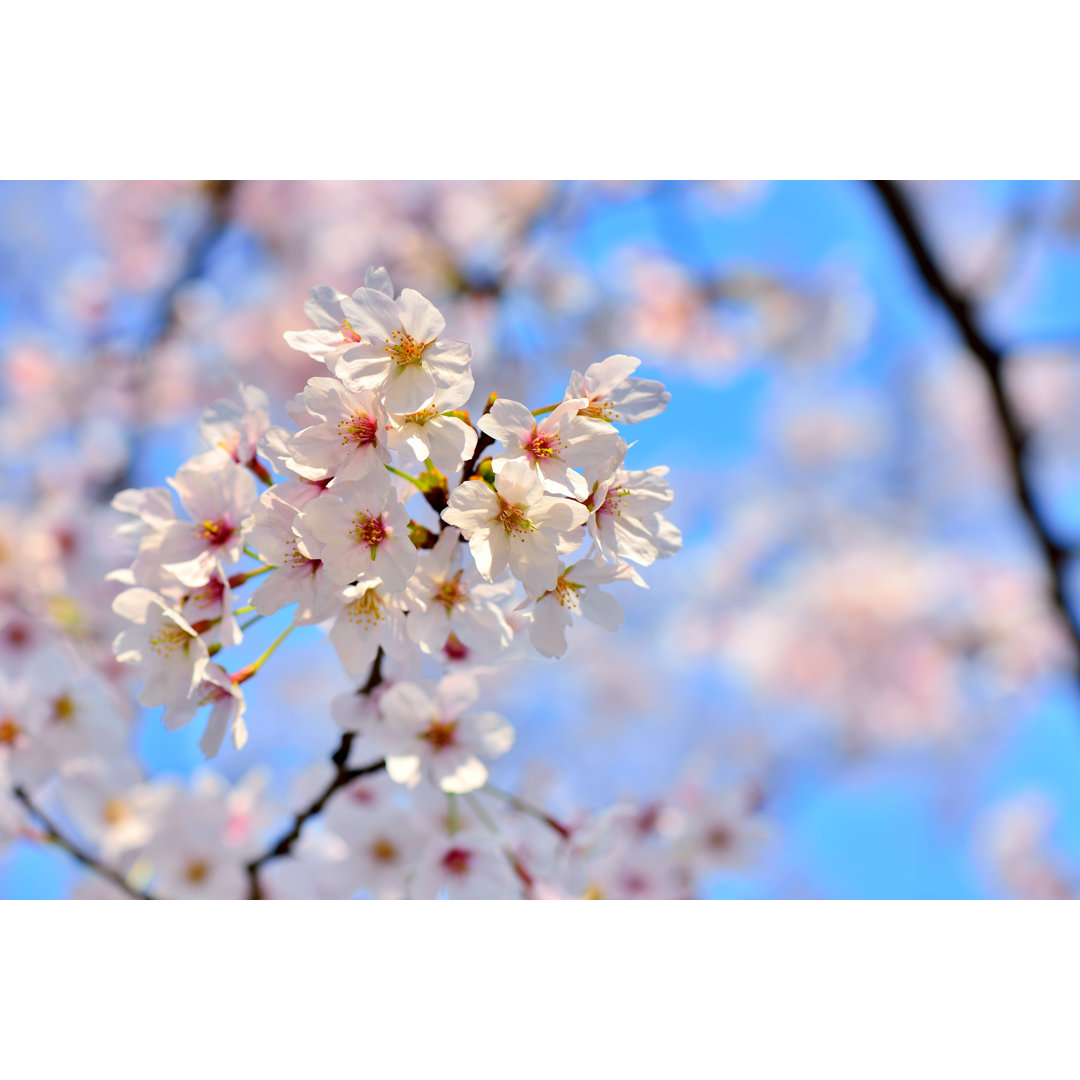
[343, 775]
[77, 852]
[991, 358]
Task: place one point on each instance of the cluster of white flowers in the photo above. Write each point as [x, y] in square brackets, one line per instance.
[388, 527]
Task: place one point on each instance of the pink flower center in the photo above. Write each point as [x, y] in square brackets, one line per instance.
[215, 533]
[404, 348]
[384, 851]
[359, 429]
[600, 410]
[455, 648]
[348, 333]
[369, 532]
[451, 593]
[211, 693]
[456, 861]
[513, 519]
[544, 444]
[612, 503]
[207, 596]
[440, 734]
[294, 558]
[231, 446]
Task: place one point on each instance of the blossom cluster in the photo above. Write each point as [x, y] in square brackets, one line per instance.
[382, 520]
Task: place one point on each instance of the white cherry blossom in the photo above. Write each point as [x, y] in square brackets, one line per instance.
[226, 701]
[372, 618]
[515, 525]
[209, 609]
[577, 592]
[365, 535]
[82, 719]
[613, 396]
[332, 334]
[427, 433]
[382, 844]
[556, 446]
[398, 351]
[299, 576]
[23, 753]
[161, 644]
[436, 738]
[469, 865]
[626, 521]
[234, 431]
[347, 440]
[218, 500]
[448, 597]
[112, 806]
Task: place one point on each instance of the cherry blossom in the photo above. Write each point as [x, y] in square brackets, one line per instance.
[610, 394]
[298, 575]
[467, 865]
[226, 701]
[372, 618]
[577, 591]
[430, 433]
[162, 644]
[436, 738]
[234, 430]
[396, 349]
[626, 521]
[219, 502]
[448, 597]
[364, 535]
[348, 441]
[515, 525]
[556, 446]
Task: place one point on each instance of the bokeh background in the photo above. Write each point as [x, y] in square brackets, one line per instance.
[862, 627]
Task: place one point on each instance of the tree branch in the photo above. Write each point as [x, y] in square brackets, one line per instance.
[343, 775]
[991, 359]
[77, 853]
[219, 196]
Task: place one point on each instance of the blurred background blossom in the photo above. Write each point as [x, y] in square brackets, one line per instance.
[859, 677]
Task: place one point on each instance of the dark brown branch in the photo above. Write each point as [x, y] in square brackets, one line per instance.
[991, 359]
[483, 441]
[161, 324]
[343, 775]
[219, 196]
[76, 852]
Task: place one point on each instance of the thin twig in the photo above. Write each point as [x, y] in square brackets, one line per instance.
[76, 852]
[991, 359]
[527, 808]
[343, 775]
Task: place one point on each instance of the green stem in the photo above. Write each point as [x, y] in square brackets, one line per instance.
[403, 475]
[546, 409]
[478, 809]
[527, 808]
[252, 669]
